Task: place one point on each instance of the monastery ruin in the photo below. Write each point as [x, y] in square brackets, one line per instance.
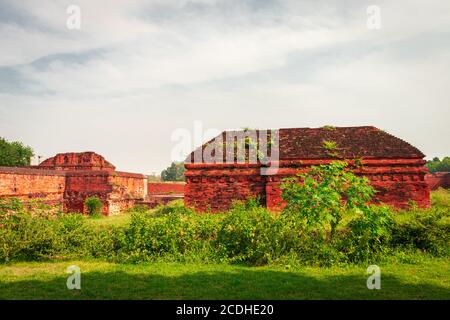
[394, 167]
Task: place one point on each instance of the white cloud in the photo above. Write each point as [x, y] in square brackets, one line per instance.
[138, 70]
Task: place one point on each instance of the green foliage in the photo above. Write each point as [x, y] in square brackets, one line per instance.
[174, 235]
[14, 154]
[324, 193]
[329, 145]
[370, 233]
[424, 229]
[176, 206]
[437, 165]
[246, 235]
[175, 172]
[94, 206]
[440, 198]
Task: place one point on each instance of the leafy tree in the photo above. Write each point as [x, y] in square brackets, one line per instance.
[325, 192]
[175, 172]
[437, 165]
[14, 153]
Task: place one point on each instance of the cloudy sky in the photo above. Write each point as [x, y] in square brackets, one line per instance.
[138, 71]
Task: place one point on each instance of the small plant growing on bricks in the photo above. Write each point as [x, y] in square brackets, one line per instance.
[94, 206]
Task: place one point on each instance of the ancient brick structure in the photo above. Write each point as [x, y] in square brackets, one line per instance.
[68, 179]
[76, 161]
[161, 193]
[165, 188]
[27, 184]
[395, 168]
[438, 180]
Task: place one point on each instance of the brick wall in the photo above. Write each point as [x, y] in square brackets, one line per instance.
[27, 184]
[165, 188]
[438, 180]
[69, 189]
[127, 188]
[215, 186]
[116, 190]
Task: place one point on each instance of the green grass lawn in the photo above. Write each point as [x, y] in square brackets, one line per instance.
[428, 279]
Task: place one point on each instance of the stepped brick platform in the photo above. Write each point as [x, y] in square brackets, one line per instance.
[394, 167]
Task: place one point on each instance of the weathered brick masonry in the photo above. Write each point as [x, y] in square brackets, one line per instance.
[395, 168]
[165, 188]
[68, 179]
[28, 184]
[438, 180]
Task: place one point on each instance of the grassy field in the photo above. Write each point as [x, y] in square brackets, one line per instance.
[427, 279]
[403, 276]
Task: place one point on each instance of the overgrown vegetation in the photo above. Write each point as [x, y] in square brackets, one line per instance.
[337, 227]
[94, 206]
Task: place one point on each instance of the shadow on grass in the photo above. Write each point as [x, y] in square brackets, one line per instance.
[240, 284]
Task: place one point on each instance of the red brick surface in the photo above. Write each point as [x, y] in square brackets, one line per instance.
[70, 183]
[76, 161]
[165, 188]
[28, 184]
[438, 180]
[394, 167]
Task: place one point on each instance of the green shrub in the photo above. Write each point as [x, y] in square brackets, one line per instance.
[247, 235]
[324, 193]
[424, 229]
[94, 206]
[440, 198]
[369, 234]
[173, 233]
[176, 206]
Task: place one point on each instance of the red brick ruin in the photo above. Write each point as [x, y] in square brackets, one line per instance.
[66, 180]
[438, 180]
[394, 167]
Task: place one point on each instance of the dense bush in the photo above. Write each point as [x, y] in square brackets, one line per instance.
[323, 194]
[94, 206]
[246, 234]
[369, 234]
[427, 230]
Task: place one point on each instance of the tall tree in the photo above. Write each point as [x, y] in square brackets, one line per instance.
[175, 172]
[14, 153]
